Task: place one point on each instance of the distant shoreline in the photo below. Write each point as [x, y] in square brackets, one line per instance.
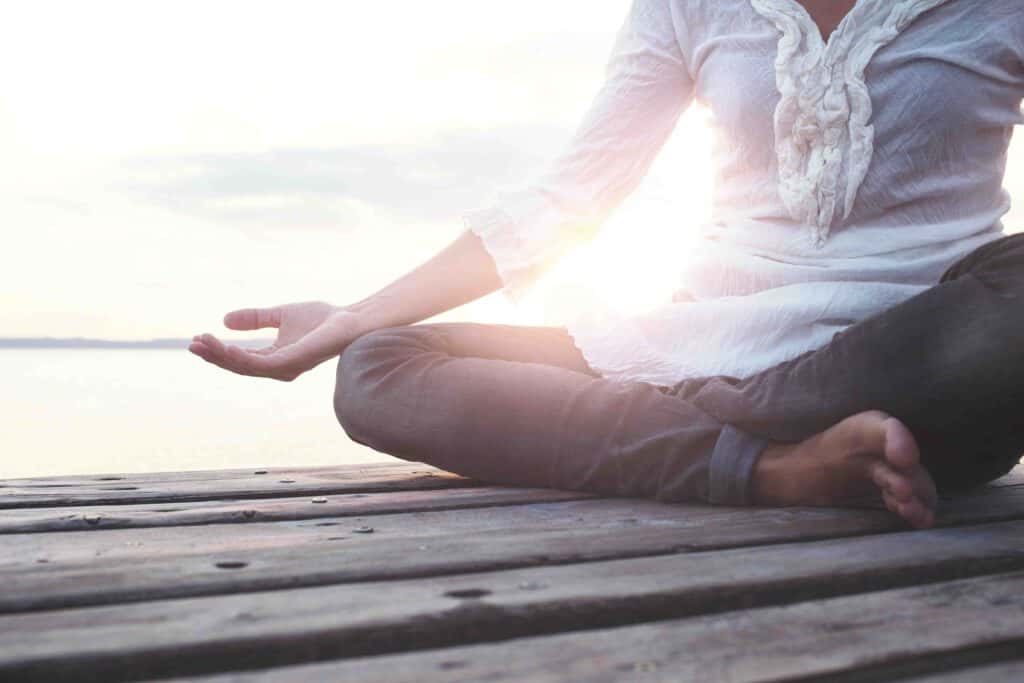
[85, 343]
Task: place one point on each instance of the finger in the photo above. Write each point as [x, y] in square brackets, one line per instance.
[201, 350]
[212, 357]
[270, 365]
[253, 318]
[226, 356]
[284, 363]
[215, 345]
[217, 350]
[235, 358]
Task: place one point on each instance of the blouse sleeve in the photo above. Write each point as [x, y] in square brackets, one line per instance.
[646, 88]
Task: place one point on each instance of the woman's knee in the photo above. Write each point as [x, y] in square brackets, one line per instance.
[360, 402]
[347, 387]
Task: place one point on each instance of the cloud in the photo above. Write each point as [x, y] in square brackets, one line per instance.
[434, 180]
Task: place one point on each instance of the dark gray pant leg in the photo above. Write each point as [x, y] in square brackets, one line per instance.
[518, 405]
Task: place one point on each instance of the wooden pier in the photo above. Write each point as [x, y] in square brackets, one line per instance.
[399, 572]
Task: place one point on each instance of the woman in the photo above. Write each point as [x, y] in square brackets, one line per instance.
[851, 328]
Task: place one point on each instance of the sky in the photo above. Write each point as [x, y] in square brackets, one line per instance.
[165, 162]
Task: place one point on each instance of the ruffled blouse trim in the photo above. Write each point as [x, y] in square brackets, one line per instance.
[824, 141]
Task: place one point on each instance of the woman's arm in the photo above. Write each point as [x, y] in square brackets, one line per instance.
[511, 242]
[461, 272]
[311, 332]
[647, 86]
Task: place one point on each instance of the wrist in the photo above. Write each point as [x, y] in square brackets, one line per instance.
[366, 317]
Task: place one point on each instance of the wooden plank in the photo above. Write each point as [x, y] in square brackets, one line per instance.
[91, 518]
[618, 522]
[700, 523]
[351, 558]
[873, 636]
[179, 476]
[127, 515]
[142, 564]
[171, 487]
[250, 483]
[623, 516]
[202, 635]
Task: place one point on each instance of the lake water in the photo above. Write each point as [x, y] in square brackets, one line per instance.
[105, 411]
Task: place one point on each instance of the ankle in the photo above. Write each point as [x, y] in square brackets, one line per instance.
[773, 476]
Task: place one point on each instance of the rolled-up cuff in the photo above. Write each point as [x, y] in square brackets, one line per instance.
[511, 255]
[524, 233]
[732, 466]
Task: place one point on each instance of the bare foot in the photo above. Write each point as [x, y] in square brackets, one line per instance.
[869, 456]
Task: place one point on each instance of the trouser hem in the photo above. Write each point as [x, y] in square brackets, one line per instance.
[732, 466]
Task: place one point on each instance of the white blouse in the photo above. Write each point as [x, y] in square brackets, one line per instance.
[850, 173]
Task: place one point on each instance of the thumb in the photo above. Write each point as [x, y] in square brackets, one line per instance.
[253, 318]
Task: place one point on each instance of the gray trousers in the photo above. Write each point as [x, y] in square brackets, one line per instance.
[519, 405]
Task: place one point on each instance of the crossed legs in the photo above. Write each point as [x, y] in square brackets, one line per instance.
[928, 390]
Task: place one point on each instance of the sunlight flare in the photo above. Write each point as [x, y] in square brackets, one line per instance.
[634, 263]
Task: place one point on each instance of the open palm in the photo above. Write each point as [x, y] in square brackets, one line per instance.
[308, 333]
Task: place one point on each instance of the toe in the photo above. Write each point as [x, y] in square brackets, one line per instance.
[900, 446]
[924, 488]
[912, 511]
[891, 504]
[894, 483]
[915, 513]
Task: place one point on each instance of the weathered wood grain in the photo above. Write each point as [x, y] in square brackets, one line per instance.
[174, 487]
[47, 571]
[142, 515]
[353, 558]
[74, 480]
[691, 523]
[91, 518]
[439, 574]
[870, 636]
[198, 635]
[621, 516]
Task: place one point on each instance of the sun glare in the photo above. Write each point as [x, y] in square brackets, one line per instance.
[634, 263]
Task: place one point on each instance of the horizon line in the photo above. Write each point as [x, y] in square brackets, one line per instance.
[99, 343]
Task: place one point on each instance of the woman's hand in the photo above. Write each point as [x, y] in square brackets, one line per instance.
[308, 333]
[312, 332]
